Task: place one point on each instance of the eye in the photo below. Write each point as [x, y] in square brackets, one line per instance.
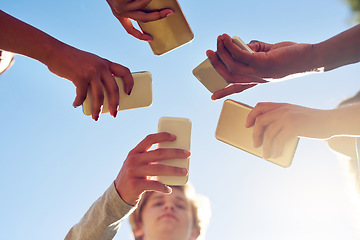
[181, 206]
[157, 204]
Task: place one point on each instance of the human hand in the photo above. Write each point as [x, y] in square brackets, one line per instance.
[238, 82]
[142, 163]
[89, 71]
[274, 124]
[124, 10]
[268, 62]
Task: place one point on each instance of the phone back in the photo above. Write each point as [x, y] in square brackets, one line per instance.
[141, 94]
[231, 130]
[170, 32]
[181, 127]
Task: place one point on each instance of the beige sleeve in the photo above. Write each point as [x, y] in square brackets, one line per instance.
[103, 219]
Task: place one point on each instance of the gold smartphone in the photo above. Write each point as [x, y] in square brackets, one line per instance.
[207, 74]
[231, 130]
[141, 94]
[181, 127]
[170, 32]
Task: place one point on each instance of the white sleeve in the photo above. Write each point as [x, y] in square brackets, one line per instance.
[103, 219]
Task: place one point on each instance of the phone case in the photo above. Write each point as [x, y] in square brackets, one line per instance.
[141, 94]
[231, 130]
[181, 127]
[207, 74]
[170, 32]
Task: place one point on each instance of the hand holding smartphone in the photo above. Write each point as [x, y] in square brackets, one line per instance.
[141, 94]
[207, 74]
[181, 128]
[231, 130]
[170, 32]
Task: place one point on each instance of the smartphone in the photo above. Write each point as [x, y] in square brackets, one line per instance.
[207, 74]
[140, 96]
[170, 32]
[231, 130]
[181, 127]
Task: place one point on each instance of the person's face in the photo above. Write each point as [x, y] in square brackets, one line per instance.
[168, 217]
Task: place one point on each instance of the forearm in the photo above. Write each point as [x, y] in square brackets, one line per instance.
[340, 50]
[345, 121]
[21, 38]
[103, 219]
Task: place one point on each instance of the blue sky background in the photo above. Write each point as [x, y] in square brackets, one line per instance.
[55, 161]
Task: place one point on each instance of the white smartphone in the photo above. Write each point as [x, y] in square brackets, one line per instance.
[140, 96]
[181, 127]
[168, 33]
[231, 130]
[207, 74]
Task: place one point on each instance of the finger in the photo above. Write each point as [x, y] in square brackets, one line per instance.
[240, 55]
[160, 170]
[233, 88]
[223, 71]
[279, 144]
[152, 139]
[269, 135]
[129, 27]
[81, 94]
[150, 185]
[262, 122]
[161, 154]
[132, 6]
[112, 90]
[125, 75]
[98, 98]
[142, 16]
[260, 109]
[218, 64]
[258, 46]
[226, 56]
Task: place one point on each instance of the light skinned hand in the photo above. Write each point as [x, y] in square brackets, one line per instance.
[141, 163]
[276, 123]
[89, 71]
[125, 10]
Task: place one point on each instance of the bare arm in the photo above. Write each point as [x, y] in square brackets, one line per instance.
[84, 69]
[275, 123]
[283, 59]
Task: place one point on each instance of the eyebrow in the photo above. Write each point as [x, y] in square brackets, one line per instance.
[162, 196]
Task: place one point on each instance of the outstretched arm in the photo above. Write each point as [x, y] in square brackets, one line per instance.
[280, 60]
[276, 123]
[104, 217]
[84, 69]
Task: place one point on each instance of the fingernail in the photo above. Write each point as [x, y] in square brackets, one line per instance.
[169, 189]
[169, 14]
[115, 113]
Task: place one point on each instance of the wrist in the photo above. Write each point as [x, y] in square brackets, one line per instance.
[316, 58]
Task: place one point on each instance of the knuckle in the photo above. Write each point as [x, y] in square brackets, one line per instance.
[160, 152]
[150, 137]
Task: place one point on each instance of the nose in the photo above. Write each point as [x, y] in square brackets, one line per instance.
[169, 205]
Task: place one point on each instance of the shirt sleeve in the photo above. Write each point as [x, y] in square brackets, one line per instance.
[103, 219]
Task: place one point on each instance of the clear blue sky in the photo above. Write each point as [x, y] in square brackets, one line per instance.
[55, 161]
